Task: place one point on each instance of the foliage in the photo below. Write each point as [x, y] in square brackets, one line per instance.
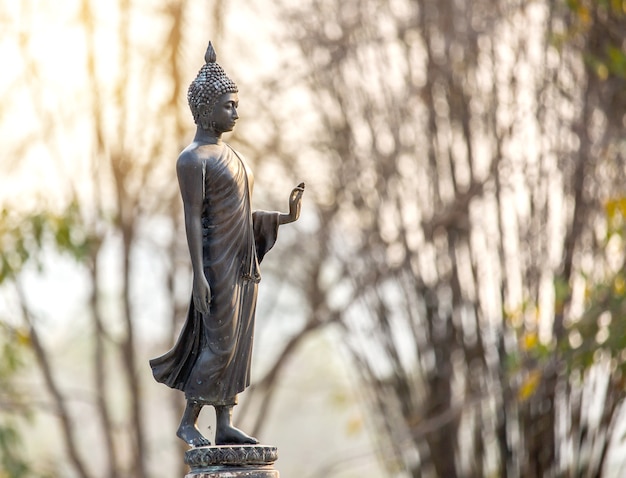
[14, 345]
[24, 236]
[12, 464]
[606, 56]
[11, 360]
[599, 334]
[462, 164]
[23, 239]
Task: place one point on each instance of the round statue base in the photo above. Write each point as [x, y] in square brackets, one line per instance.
[232, 461]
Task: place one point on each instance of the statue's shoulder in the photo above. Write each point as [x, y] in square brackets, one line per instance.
[187, 156]
[195, 155]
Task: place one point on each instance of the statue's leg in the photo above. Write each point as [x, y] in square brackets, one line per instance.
[226, 433]
[188, 428]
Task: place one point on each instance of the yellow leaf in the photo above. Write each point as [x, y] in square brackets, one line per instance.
[529, 386]
[339, 398]
[584, 15]
[615, 206]
[23, 337]
[621, 204]
[619, 285]
[354, 426]
[529, 340]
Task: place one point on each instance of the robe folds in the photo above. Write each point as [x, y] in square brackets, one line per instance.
[210, 362]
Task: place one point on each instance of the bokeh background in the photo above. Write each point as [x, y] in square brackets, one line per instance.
[452, 301]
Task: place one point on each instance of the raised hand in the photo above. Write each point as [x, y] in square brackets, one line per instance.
[295, 205]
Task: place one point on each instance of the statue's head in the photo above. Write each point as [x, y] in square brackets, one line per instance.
[208, 86]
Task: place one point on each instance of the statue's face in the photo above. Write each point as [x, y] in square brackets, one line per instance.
[224, 114]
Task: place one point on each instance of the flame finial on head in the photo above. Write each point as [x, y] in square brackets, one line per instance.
[210, 56]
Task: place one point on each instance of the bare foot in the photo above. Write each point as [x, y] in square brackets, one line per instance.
[233, 436]
[192, 436]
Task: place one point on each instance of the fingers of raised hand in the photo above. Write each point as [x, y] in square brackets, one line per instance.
[296, 194]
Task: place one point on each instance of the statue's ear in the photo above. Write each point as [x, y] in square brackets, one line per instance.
[204, 115]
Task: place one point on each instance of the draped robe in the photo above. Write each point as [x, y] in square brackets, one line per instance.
[210, 362]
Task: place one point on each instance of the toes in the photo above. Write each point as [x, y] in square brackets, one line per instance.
[192, 437]
[200, 441]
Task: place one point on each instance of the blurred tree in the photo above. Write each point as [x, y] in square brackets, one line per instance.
[462, 155]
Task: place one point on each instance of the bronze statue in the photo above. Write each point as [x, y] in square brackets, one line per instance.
[211, 359]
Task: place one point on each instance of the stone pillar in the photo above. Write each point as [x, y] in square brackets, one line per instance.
[232, 461]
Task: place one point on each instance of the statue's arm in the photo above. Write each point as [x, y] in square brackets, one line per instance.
[266, 223]
[190, 181]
